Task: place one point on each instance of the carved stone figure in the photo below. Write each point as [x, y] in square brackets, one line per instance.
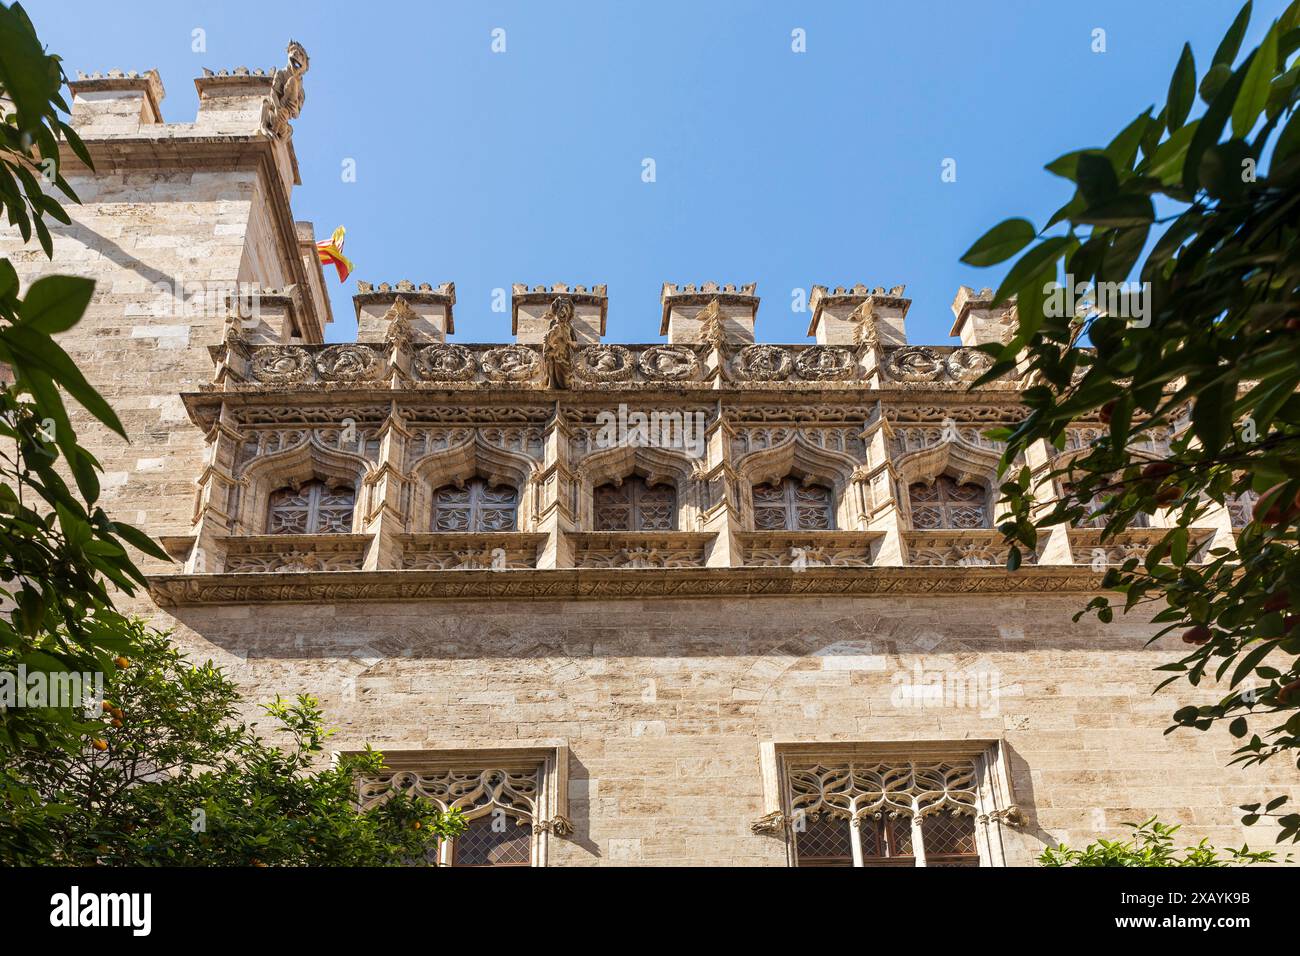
[559, 342]
[287, 94]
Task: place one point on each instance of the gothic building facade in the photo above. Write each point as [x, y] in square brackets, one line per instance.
[707, 600]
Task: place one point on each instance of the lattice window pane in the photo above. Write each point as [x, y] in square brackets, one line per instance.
[633, 505]
[793, 506]
[824, 841]
[311, 508]
[949, 840]
[946, 503]
[493, 840]
[1241, 507]
[476, 506]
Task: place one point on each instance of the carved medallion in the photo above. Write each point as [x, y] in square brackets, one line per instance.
[824, 363]
[966, 365]
[348, 363]
[510, 363]
[445, 363]
[282, 365]
[604, 363]
[668, 363]
[915, 363]
[762, 363]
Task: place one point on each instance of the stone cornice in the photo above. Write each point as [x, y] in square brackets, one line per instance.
[175, 590]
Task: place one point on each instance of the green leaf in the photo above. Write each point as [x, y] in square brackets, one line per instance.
[1288, 141]
[1247, 664]
[56, 303]
[1097, 179]
[1066, 166]
[1222, 172]
[1182, 90]
[1231, 42]
[1033, 261]
[1211, 125]
[1254, 89]
[140, 541]
[1123, 210]
[24, 69]
[1000, 243]
[1166, 163]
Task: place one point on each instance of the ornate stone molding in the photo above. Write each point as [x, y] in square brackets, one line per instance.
[171, 590]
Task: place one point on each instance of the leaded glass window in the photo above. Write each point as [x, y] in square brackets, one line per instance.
[864, 813]
[947, 504]
[791, 505]
[475, 506]
[500, 806]
[633, 505]
[311, 508]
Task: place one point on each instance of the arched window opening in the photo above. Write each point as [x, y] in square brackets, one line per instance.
[947, 504]
[475, 506]
[634, 505]
[311, 508]
[790, 505]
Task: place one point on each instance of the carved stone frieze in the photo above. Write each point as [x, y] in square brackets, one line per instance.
[762, 363]
[445, 363]
[497, 551]
[349, 363]
[511, 363]
[295, 553]
[822, 363]
[668, 363]
[604, 363]
[172, 590]
[924, 365]
[282, 365]
[961, 549]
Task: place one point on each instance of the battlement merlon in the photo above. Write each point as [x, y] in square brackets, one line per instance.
[426, 310]
[530, 311]
[709, 313]
[852, 316]
[976, 322]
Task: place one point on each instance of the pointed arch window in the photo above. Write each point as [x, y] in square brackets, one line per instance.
[899, 813]
[1093, 519]
[948, 504]
[791, 505]
[635, 505]
[475, 506]
[312, 507]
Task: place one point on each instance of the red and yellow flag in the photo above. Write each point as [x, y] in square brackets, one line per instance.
[331, 251]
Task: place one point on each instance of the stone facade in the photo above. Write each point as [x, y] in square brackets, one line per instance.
[708, 635]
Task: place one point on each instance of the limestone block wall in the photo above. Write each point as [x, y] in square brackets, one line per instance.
[664, 704]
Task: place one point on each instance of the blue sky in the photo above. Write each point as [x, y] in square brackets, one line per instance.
[788, 169]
